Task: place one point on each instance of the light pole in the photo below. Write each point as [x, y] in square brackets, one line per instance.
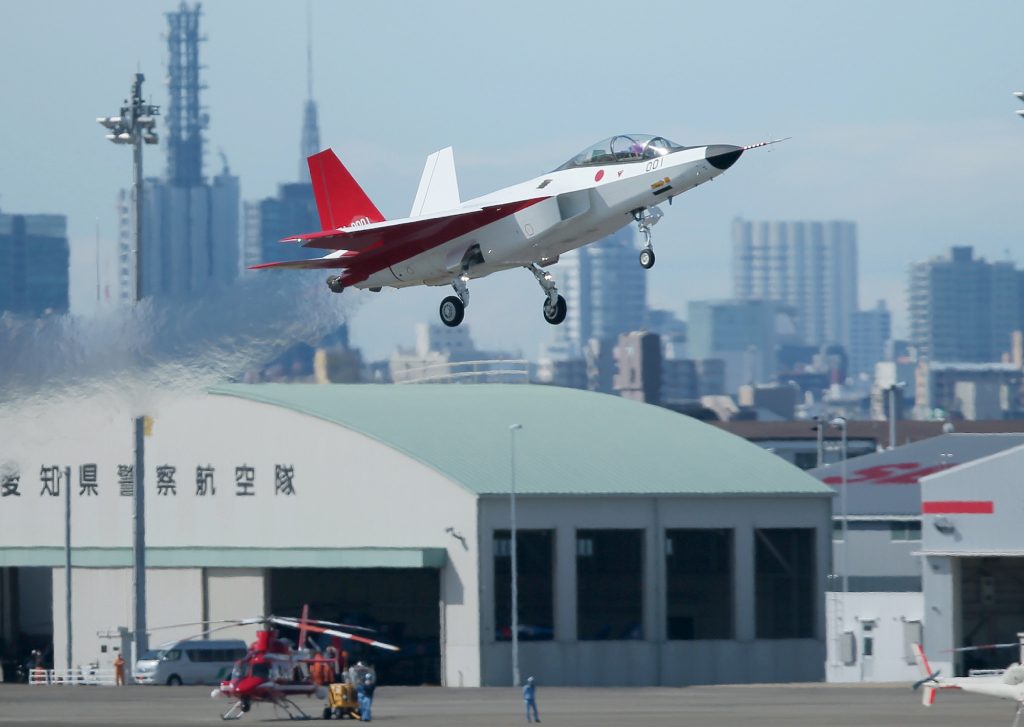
[136, 126]
[892, 411]
[515, 566]
[1020, 96]
[840, 423]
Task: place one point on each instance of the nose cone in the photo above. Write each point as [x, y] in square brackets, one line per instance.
[722, 156]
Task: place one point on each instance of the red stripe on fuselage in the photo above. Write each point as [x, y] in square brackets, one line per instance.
[414, 238]
[958, 507]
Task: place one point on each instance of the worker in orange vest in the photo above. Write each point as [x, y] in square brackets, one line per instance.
[119, 670]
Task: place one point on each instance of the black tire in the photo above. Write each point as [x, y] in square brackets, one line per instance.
[334, 283]
[647, 258]
[555, 315]
[452, 311]
[327, 713]
[174, 680]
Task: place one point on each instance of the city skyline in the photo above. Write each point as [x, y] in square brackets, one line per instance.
[952, 181]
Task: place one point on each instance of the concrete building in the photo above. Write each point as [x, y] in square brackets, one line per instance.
[808, 266]
[190, 226]
[34, 259]
[742, 333]
[876, 607]
[638, 367]
[869, 331]
[654, 549]
[605, 289]
[973, 561]
[968, 390]
[963, 308]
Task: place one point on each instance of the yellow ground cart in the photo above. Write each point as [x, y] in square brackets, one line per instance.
[341, 701]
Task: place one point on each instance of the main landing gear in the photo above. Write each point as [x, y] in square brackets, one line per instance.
[555, 307]
[334, 283]
[453, 308]
[646, 218]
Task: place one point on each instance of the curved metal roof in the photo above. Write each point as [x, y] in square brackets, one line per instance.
[571, 442]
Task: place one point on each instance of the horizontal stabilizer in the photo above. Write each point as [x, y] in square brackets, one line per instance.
[439, 187]
[330, 262]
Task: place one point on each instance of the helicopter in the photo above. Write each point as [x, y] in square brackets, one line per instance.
[275, 669]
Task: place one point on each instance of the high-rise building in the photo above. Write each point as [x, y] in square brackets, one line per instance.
[963, 308]
[605, 289]
[34, 258]
[190, 225]
[809, 266]
[293, 210]
[869, 331]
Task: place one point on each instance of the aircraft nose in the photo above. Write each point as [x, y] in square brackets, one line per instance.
[722, 156]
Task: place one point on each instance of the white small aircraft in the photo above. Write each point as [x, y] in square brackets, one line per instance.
[446, 241]
[1003, 683]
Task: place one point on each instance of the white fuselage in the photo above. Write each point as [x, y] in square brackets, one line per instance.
[582, 205]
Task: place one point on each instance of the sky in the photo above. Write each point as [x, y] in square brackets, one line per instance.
[901, 117]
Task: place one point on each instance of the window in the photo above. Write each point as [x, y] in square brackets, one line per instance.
[784, 582]
[905, 530]
[699, 572]
[170, 655]
[536, 565]
[806, 460]
[609, 584]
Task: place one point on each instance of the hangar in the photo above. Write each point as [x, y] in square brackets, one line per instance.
[973, 561]
[654, 549]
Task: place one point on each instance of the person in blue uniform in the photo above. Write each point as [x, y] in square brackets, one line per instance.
[530, 698]
[364, 693]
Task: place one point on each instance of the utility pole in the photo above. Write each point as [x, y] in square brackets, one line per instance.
[515, 566]
[136, 126]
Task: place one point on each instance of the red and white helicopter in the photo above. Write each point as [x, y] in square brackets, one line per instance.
[1005, 683]
[446, 241]
[275, 669]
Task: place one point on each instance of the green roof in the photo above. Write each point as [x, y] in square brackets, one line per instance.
[572, 442]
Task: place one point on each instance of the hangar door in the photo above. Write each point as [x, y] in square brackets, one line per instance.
[402, 604]
[991, 609]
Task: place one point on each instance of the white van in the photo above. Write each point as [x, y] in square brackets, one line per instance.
[189, 662]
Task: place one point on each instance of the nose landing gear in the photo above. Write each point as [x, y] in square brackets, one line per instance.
[646, 218]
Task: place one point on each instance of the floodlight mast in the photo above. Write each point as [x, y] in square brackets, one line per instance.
[136, 125]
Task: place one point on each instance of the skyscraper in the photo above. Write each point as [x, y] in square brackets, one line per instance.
[605, 289]
[809, 266]
[293, 210]
[34, 257]
[963, 308]
[869, 331]
[742, 333]
[190, 226]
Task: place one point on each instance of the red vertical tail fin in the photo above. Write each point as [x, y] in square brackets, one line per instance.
[340, 201]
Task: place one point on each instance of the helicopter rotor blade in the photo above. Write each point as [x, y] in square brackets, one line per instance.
[320, 622]
[334, 632]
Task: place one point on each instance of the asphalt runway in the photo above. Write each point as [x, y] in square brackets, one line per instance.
[808, 705]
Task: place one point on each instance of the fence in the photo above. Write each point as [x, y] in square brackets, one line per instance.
[82, 676]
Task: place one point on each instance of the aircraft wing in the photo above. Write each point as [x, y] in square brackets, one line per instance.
[363, 250]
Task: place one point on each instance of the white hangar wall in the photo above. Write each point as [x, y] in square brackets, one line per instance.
[352, 505]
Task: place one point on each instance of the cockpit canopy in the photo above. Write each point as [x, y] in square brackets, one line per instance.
[622, 149]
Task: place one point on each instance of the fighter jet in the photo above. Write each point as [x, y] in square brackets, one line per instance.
[445, 241]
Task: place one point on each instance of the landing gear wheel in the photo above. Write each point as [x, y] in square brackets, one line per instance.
[555, 314]
[647, 258]
[452, 311]
[334, 283]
